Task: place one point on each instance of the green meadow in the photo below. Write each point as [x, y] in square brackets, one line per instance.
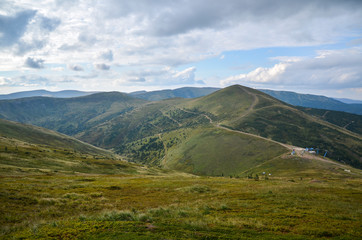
[177, 206]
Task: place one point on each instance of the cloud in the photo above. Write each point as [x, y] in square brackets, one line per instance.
[102, 66]
[27, 30]
[107, 55]
[75, 67]
[165, 76]
[87, 38]
[186, 76]
[34, 63]
[332, 69]
[24, 47]
[12, 28]
[49, 24]
[5, 81]
[144, 37]
[68, 47]
[25, 81]
[58, 69]
[137, 80]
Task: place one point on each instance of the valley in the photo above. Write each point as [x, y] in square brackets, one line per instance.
[213, 167]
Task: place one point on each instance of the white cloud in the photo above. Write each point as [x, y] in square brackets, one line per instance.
[172, 33]
[141, 34]
[5, 81]
[186, 76]
[58, 69]
[332, 69]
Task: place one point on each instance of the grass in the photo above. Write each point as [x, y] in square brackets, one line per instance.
[202, 151]
[22, 158]
[349, 121]
[174, 207]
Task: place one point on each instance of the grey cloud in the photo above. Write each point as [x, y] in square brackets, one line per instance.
[167, 18]
[87, 38]
[12, 28]
[49, 24]
[66, 4]
[75, 68]
[108, 55]
[24, 47]
[68, 47]
[34, 63]
[102, 66]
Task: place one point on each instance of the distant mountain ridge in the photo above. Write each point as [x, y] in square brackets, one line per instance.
[349, 101]
[185, 92]
[314, 101]
[295, 99]
[45, 93]
[68, 115]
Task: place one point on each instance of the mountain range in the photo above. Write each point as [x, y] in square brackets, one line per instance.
[230, 131]
[295, 99]
[185, 92]
[315, 101]
[45, 93]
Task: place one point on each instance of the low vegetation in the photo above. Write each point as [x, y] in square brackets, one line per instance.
[180, 207]
[349, 121]
[60, 193]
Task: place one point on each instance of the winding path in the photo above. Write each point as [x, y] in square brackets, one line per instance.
[298, 150]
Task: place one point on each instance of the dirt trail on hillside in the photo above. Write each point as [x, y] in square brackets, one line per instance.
[251, 107]
[300, 152]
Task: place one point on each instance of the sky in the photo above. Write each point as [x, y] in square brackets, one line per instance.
[309, 46]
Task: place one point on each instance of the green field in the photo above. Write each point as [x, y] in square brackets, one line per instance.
[180, 207]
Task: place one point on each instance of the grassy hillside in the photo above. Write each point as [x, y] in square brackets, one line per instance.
[257, 113]
[203, 151]
[42, 136]
[211, 151]
[186, 92]
[144, 121]
[351, 122]
[26, 149]
[314, 101]
[292, 127]
[55, 187]
[68, 116]
[135, 127]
